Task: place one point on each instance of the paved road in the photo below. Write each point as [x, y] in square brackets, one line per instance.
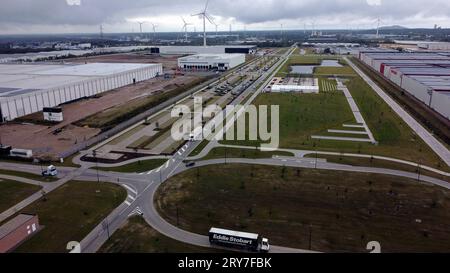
[427, 137]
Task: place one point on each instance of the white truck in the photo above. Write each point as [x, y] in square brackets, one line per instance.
[239, 240]
[51, 171]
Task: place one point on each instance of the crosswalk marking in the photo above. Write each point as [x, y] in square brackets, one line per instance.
[130, 189]
[137, 210]
[131, 197]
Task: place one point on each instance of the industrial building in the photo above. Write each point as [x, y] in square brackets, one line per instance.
[17, 231]
[298, 85]
[27, 89]
[221, 62]
[425, 75]
[186, 50]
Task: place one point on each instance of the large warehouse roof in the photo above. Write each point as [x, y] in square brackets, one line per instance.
[17, 79]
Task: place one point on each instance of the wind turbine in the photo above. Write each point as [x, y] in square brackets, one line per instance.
[140, 25]
[378, 21]
[154, 30]
[205, 17]
[217, 25]
[185, 25]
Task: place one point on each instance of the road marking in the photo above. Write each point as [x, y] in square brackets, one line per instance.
[173, 159]
[131, 197]
[150, 172]
[130, 188]
[179, 153]
[159, 169]
[127, 203]
[167, 164]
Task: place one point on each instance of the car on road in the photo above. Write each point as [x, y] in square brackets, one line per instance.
[190, 164]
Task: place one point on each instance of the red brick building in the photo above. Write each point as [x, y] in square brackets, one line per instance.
[17, 231]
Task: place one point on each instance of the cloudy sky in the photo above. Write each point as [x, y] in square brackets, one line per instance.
[70, 16]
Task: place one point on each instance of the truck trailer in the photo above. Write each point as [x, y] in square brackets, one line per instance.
[238, 240]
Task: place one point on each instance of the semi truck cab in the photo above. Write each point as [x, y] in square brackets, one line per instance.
[265, 246]
[51, 171]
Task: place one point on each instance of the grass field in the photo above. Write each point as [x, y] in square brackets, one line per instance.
[224, 152]
[378, 163]
[395, 137]
[326, 85]
[303, 115]
[341, 71]
[137, 167]
[31, 176]
[340, 211]
[12, 192]
[70, 213]
[136, 236]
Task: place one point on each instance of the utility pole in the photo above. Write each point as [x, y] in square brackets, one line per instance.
[418, 172]
[315, 162]
[310, 236]
[94, 153]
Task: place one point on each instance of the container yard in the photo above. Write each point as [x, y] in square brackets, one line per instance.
[426, 76]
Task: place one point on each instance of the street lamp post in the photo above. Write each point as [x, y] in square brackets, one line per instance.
[310, 237]
[94, 153]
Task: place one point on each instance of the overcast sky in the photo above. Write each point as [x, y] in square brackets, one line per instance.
[70, 16]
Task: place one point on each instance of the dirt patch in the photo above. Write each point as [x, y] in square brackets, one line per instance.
[42, 140]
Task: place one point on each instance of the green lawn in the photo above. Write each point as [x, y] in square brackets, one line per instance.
[343, 211]
[303, 115]
[70, 213]
[136, 167]
[224, 152]
[378, 163]
[395, 137]
[342, 71]
[326, 85]
[12, 192]
[31, 176]
[136, 236]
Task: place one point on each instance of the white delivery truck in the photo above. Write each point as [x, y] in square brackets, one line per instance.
[239, 240]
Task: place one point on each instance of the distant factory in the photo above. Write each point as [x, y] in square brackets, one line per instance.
[426, 76]
[188, 50]
[204, 62]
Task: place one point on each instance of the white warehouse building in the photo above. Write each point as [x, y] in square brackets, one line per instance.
[220, 62]
[27, 89]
